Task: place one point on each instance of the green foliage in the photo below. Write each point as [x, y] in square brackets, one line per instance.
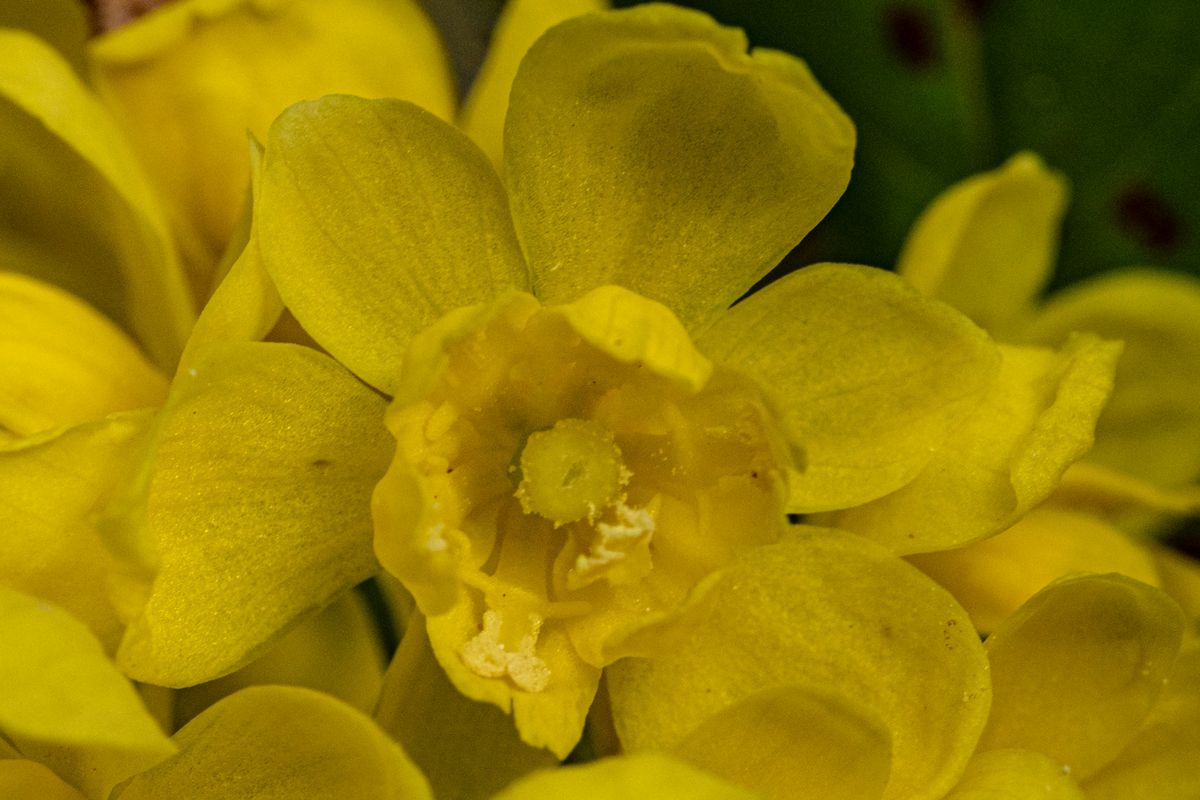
[1106, 91]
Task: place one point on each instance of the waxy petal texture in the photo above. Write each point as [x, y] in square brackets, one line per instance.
[647, 149]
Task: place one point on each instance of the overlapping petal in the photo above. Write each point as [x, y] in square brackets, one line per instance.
[61, 363]
[827, 608]
[267, 500]
[280, 743]
[641, 775]
[647, 149]
[519, 25]
[188, 80]
[1015, 775]
[987, 245]
[1078, 668]
[795, 741]
[53, 491]
[1151, 426]
[105, 238]
[21, 779]
[1005, 457]
[464, 747]
[374, 219]
[992, 578]
[65, 705]
[869, 376]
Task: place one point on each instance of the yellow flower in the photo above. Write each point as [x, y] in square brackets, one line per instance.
[653, 171]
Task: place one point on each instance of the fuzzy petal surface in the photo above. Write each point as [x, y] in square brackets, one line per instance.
[646, 148]
[869, 376]
[827, 608]
[374, 219]
[280, 743]
[259, 508]
[1076, 670]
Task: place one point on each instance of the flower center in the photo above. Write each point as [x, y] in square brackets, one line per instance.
[571, 471]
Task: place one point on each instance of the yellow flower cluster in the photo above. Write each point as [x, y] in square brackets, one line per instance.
[406, 451]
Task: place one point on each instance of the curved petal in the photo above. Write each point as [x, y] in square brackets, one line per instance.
[645, 148]
[1004, 458]
[336, 652]
[1151, 426]
[465, 748]
[823, 607]
[870, 377]
[259, 505]
[1077, 668]
[77, 210]
[551, 718]
[520, 24]
[1015, 775]
[51, 490]
[987, 244]
[62, 23]
[641, 775]
[65, 705]
[374, 219]
[1161, 760]
[993, 577]
[279, 743]
[28, 780]
[795, 741]
[61, 363]
[190, 79]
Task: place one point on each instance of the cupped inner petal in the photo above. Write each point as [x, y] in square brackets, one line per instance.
[566, 472]
[645, 148]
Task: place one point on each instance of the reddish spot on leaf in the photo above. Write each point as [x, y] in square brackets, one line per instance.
[1144, 215]
[912, 36]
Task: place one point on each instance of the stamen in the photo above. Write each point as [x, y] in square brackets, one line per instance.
[486, 655]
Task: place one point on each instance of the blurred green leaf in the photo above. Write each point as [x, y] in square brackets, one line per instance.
[1106, 91]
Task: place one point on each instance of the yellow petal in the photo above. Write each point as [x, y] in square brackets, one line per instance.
[281, 743]
[520, 24]
[77, 210]
[987, 244]
[28, 780]
[65, 705]
[869, 375]
[1077, 668]
[823, 607]
[374, 219]
[188, 80]
[336, 652]
[550, 718]
[51, 492]
[993, 577]
[1004, 458]
[1160, 762]
[259, 504]
[465, 748]
[62, 23]
[1151, 427]
[245, 305]
[1180, 575]
[61, 363]
[1016, 775]
[795, 741]
[642, 775]
[1087, 486]
[645, 148]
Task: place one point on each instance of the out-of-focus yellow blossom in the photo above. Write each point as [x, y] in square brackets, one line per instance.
[570, 327]
[987, 246]
[189, 79]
